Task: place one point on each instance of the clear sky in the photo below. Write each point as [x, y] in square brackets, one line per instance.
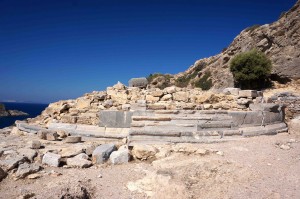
[60, 49]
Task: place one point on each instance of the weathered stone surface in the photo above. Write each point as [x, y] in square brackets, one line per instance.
[143, 152]
[181, 96]
[71, 151]
[29, 153]
[102, 153]
[25, 169]
[150, 98]
[119, 86]
[42, 134]
[3, 174]
[34, 144]
[52, 136]
[157, 93]
[244, 101]
[83, 103]
[167, 97]
[115, 119]
[294, 126]
[119, 157]
[170, 90]
[247, 93]
[141, 82]
[231, 91]
[156, 106]
[12, 163]
[28, 128]
[73, 139]
[51, 159]
[266, 107]
[81, 161]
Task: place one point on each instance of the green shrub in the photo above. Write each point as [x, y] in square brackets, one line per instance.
[164, 78]
[204, 82]
[251, 70]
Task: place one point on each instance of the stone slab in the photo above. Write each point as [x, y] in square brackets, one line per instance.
[115, 119]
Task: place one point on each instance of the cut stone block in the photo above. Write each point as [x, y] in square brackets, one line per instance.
[73, 139]
[248, 93]
[51, 159]
[34, 144]
[115, 119]
[12, 163]
[102, 153]
[231, 91]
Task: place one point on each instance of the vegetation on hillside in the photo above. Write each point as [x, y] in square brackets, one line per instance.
[251, 70]
[205, 83]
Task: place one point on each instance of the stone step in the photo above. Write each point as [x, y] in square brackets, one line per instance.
[271, 129]
[214, 125]
[150, 118]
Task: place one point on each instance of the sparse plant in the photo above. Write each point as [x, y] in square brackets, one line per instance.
[205, 83]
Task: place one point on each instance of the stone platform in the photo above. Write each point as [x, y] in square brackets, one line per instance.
[175, 126]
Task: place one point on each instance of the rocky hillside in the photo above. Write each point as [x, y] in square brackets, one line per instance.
[279, 41]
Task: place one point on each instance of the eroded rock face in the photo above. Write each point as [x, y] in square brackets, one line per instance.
[278, 40]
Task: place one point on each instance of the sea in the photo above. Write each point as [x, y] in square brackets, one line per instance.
[32, 109]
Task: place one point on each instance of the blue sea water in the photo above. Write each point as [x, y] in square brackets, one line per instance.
[32, 109]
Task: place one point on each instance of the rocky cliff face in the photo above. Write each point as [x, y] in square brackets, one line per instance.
[279, 41]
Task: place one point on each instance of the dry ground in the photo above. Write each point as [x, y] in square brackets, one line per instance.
[249, 168]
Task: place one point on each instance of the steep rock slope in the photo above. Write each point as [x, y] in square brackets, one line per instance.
[279, 41]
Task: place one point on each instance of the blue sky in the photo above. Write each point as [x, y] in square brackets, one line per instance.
[53, 49]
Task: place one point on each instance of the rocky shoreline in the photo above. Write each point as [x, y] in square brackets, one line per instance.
[10, 113]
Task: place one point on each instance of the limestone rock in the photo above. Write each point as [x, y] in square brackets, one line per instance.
[294, 127]
[51, 159]
[119, 157]
[34, 144]
[81, 161]
[247, 93]
[52, 136]
[29, 153]
[119, 86]
[73, 139]
[167, 97]
[181, 96]
[71, 151]
[141, 82]
[102, 153]
[170, 90]
[231, 91]
[143, 152]
[157, 93]
[3, 174]
[26, 169]
[12, 163]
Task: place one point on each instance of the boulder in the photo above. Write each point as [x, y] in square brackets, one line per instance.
[170, 90]
[25, 169]
[83, 103]
[71, 151]
[244, 101]
[150, 98]
[29, 153]
[157, 93]
[167, 97]
[294, 127]
[156, 106]
[181, 96]
[3, 174]
[119, 157]
[248, 93]
[51, 159]
[119, 86]
[231, 91]
[102, 153]
[12, 163]
[34, 144]
[143, 152]
[81, 161]
[73, 139]
[52, 136]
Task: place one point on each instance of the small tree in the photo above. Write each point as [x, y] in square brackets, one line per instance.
[251, 69]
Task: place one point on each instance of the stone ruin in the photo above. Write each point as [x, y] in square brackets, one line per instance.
[171, 115]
